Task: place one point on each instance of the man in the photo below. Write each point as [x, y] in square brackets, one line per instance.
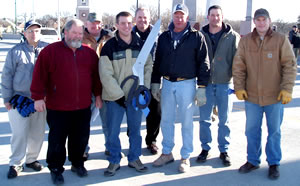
[294, 37]
[95, 37]
[181, 57]
[117, 59]
[264, 71]
[143, 29]
[222, 42]
[64, 78]
[27, 132]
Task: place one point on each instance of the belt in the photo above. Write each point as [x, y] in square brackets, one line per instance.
[174, 79]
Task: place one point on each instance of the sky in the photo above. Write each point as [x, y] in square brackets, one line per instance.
[285, 10]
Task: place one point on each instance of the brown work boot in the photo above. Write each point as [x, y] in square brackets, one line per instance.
[163, 159]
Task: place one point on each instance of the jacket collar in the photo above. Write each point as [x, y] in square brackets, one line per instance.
[134, 44]
[255, 34]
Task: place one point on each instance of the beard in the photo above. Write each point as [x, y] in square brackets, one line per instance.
[75, 43]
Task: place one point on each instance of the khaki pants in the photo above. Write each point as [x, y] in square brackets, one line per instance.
[27, 136]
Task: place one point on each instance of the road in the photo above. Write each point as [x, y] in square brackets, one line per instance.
[211, 173]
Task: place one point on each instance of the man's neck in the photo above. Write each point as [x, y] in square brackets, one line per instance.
[142, 29]
[34, 44]
[215, 29]
[126, 39]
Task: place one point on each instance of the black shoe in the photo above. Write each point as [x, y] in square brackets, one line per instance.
[35, 166]
[225, 159]
[274, 172]
[152, 148]
[57, 177]
[203, 156]
[247, 167]
[81, 171]
[14, 171]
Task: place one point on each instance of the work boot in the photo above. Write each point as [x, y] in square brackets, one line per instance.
[35, 166]
[247, 167]
[274, 172]
[203, 156]
[184, 165]
[225, 159]
[138, 165]
[152, 148]
[163, 159]
[14, 171]
[111, 169]
[80, 170]
[57, 177]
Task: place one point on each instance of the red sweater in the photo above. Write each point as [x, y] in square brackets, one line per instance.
[67, 79]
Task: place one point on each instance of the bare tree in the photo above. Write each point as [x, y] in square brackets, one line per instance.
[47, 21]
[108, 20]
[236, 25]
[165, 19]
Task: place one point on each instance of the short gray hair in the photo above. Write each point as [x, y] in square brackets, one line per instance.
[72, 22]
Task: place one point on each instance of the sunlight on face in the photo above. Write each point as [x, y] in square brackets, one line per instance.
[124, 26]
[262, 24]
[215, 17]
[74, 36]
[180, 21]
[142, 19]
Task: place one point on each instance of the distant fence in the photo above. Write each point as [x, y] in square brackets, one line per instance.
[11, 36]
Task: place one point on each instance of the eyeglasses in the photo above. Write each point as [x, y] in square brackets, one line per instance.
[34, 31]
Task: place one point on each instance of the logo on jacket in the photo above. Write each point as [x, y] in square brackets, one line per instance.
[270, 55]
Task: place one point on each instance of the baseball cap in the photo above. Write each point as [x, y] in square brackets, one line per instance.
[93, 16]
[294, 26]
[261, 12]
[31, 23]
[181, 8]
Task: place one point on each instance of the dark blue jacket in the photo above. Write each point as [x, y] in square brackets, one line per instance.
[189, 59]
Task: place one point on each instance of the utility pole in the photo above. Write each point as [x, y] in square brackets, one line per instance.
[158, 9]
[58, 18]
[15, 17]
[137, 4]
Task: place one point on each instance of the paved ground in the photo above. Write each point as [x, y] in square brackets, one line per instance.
[210, 173]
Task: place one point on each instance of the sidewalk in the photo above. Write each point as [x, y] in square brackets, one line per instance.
[210, 173]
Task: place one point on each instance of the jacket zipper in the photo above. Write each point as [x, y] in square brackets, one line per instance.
[77, 81]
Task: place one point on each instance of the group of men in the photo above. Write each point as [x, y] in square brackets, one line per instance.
[186, 68]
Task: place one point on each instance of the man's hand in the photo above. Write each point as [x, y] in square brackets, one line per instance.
[241, 94]
[8, 106]
[155, 91]
[200, 97]
[40, 105]
[98, 102]
[284, 96]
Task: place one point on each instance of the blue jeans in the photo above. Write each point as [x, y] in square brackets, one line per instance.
[177, 95]
[254, 116]
[216, 95]
[102, 113]
[114, 115]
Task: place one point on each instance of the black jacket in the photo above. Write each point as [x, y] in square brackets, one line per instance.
[189, 59]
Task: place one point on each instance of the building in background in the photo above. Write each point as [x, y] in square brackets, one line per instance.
[82, 10]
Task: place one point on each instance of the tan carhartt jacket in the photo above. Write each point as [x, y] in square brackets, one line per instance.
[264, 67]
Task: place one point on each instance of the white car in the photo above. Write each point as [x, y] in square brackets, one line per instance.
[49, 35]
